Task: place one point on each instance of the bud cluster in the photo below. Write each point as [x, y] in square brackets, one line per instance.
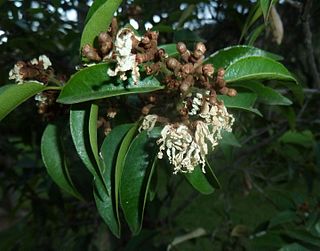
[35, 69]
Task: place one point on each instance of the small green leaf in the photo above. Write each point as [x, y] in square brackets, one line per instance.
[229, 55]
[254, 14]
[257, 68]
[137, 171]
[54, 159]
[13, 95]
[199, 181]
[98, 21]
[105, 200]
[265, 6]
[94, 83]
[265, 94]
[242, 100]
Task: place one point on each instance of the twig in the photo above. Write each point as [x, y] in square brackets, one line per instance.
[305, 19]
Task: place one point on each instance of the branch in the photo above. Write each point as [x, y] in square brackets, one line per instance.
[305, 19]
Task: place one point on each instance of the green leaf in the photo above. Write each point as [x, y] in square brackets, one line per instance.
[13, 95]
[171, 49]
[283, 217]
[138, 167]
[98, 21]
[54, 159]
[305, 138]
[93, 8]
[199, 181]
[105, 200]
[94, 83]
[228, 138]
[265, 6]
[265, 94]
[255, 34]
[257, 68]
[79, 127]
[93, 118]
[304, 236]
[242, 100]
[293, 247]
[211, 177]
[120, 164]
[254, 14]
[229, 55]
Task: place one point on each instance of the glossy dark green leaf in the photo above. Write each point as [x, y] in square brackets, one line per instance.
[120, 164]
[93, 118]
[265, 94]
[54, 159]
[13, 95]
[99, 21]
[283, 217]
[105, 200]
[257, 68]
[137, 171]
[79, 127]
[229, 55]
[199, 181]
[93, 8]
[243, 100]
[94, 83]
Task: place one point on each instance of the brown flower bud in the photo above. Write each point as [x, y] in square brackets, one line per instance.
[146, 109]
[184, 87]
[224, 90]
[145, 40]
[200, 47]
[220, 82]
[161, 53]
[221, 72]
[208, 70]
[187, 68]
[90, 53]
[105, 42]
[173, 64]
[232, 92]
[181, 47]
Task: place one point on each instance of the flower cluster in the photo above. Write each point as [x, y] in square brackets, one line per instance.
[36, 69]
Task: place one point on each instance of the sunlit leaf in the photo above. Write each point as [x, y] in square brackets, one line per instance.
[94, 83]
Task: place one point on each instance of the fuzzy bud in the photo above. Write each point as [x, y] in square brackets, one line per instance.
[232, 92]
[105, 42]
[200, 47]
[208, 70]
[187, 68]
[173, 64]
[181, 47]
[221, 72]
[224, 90]
[90, 53]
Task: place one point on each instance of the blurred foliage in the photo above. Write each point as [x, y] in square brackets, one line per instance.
[269, 198]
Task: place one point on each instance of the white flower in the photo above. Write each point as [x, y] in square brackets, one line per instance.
[125, 59]
[181, 149]
[148, 122]
[15, 74]
[46, 61]
[196, 104]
